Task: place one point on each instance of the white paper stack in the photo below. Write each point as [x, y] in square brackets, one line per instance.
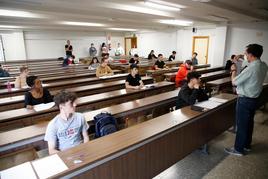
[24, 170]
[211, 103]
[49, 166]
[43, 106]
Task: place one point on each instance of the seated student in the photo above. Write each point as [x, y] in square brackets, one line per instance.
[69, 128]
[133, 80]
[160, 64]
[107, 55]
[172, 56]
[4, 71]
[182, 72]
[68, 61]
[134, 60]
[21, 79]
[94, 64]
[191, 92]
[104, 69]
[194, 59]
[229, 63]
[37, 93]
[151, 55]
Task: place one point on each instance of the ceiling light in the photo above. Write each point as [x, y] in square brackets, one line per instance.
[15, 13]
[82, 24]
[142, 10]
[176, 22]
[167, 4]
[10, 26]
[160, 6]
[201, 0]
[122, 29]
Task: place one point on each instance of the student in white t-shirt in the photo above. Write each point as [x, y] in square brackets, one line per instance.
[69, 128]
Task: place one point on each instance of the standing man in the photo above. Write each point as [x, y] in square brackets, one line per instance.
[249, 86]
[119, 51]
[69, 48]
[92, 50]
[194, 59]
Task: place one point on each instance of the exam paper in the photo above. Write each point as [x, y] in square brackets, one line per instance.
[49, 166]
[24, 170]
[219, 100]
[208, 104]
[43, 106]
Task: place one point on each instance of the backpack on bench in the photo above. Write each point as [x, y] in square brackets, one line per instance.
[105, 124]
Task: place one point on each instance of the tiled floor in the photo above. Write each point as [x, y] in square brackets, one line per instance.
[218, 164]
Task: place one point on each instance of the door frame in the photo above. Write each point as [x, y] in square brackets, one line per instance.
[201, 37]
[130, 44]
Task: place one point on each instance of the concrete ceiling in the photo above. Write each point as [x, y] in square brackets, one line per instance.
[116, 13]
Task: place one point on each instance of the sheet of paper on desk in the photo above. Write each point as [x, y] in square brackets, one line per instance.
[208, 104]
[49, 166]
[43, 106]
[148, 86]
[24, 170]
[219, 100]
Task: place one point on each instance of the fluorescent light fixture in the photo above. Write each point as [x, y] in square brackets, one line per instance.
[142, 10]
[10, 26]
[15, 13]
[201, 0]
[176, 22]
[82, 24]
[160, 6]
[122, 29]
[167, 4]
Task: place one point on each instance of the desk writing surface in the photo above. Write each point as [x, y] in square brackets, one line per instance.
[106, 146]
[17, 113]
[39, 129]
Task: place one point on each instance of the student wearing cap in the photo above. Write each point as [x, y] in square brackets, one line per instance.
[191, 91]
[133, 80]
[182, 72]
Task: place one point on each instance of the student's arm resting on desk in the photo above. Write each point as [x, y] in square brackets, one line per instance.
[84, 130]
[128, 86]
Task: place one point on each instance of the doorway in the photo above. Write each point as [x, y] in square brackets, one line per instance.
[130, 42]
[200, 46]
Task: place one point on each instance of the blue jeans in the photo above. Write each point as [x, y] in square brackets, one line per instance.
[245, 111]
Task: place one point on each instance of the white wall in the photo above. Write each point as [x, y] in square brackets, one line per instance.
[217, 37]
[13, 43]
[239, 37]
[161, 42]
[50, 44]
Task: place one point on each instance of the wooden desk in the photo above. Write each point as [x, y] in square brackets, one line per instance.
[34, 135]
[220, 84]
[172, 76]
[147, 149]
[214, 75]
[16, 102]
[23, 117]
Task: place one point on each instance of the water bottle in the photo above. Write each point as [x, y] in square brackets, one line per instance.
[9, 86]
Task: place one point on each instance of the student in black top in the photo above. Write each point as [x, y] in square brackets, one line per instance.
[133, 80]
[37, 93]
[3, 72]
[191, 92]
[172, 56]
[134, 60]
[68, 48]
[160, 64]
[229, 63]
[152, 55]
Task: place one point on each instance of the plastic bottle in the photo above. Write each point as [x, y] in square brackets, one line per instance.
[9, 87]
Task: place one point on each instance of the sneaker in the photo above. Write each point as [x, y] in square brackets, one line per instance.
[247, 149]
[232, 151]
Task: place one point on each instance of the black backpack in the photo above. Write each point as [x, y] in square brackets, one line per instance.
[105, 124]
